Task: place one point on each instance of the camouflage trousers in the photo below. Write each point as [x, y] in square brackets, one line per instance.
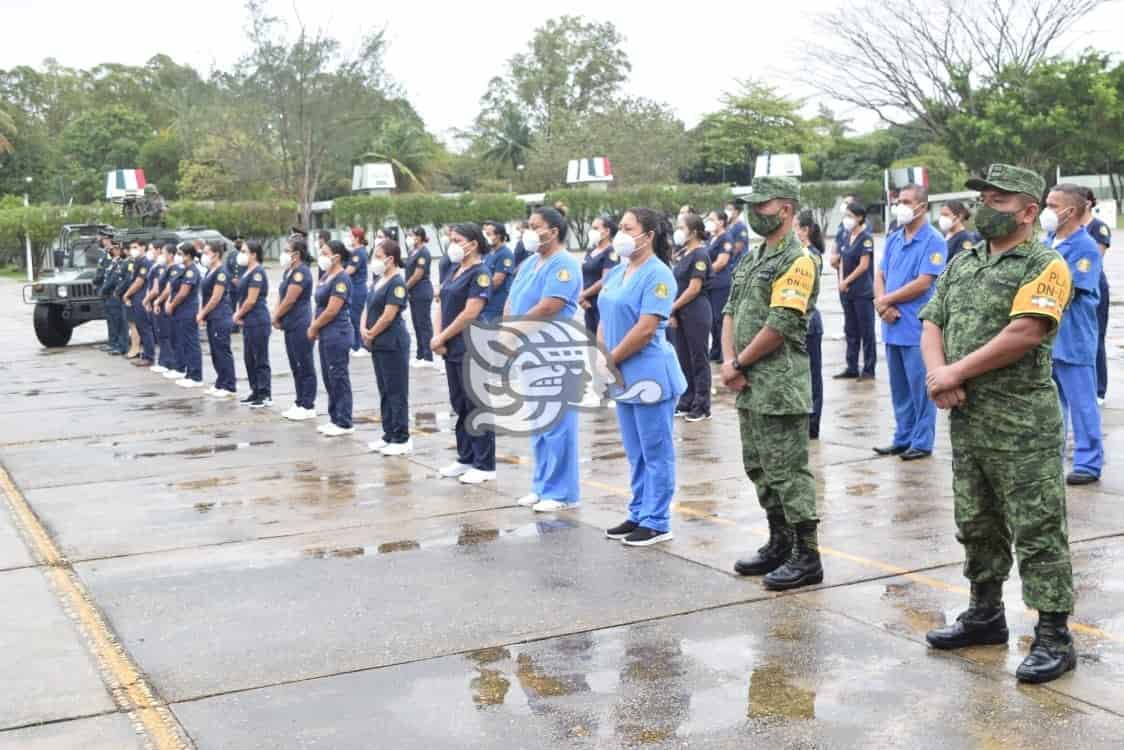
[1004, 496]
[775, 456]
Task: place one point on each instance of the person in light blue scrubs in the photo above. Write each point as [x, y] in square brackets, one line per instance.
[500, 263]
[635, 304]
[547, 288]
[1075, 348]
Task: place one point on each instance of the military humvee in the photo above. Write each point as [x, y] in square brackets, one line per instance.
[68, 297]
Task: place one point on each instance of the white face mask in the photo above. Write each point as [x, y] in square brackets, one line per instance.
[160, 260]
[729, 213]
[151, 255]
[945, 223]
[904, 214]
[1050, 220]
[324, 261]
[531, 241]
[378, 266]
[624, 244]
[594, 237]
[208, 259]
[179, 259]
[456, 252]
[679, 237]
[379, 241]
[134, 253]
[710, 226]
[243, 259]
[849, 223]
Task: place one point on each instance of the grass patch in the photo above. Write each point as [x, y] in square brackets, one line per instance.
[13, 272]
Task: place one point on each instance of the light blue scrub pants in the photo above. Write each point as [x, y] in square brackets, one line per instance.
[914, 414]
[556, 461]
[646, 430]
[1077, 389]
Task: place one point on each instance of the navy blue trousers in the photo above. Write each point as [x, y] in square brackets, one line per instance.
[118, 327]
[392, 378]
[222, 358]
[168, 356]
[335, 348]
[255, 355]
[1102, 328]
[718, 298]
[815, 361]
[690, 339]
[477, 450]
[858, 327]
[302, 365]
[356, 304]
[191, 354]
[144, 329]
[421, 308]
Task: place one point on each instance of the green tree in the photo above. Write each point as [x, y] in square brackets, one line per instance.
[410, 150]
[160, 158]
[8, 131]
[101, 140]
[510, 139]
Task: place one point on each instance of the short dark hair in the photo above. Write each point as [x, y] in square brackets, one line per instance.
[498, 228]
[858, 210]
[219, 246]
[323, 235]
[919, 191]
[169, 247]
[188, 250]
[338, 248]
[1075, 194]
[554, 219]
[695, 224]
[420, 233]
[958, 209]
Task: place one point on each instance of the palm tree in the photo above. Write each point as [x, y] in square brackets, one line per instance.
[7, 132]
[511, 139]
[408, 149]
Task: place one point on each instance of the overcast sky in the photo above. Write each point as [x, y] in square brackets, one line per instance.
[444, 53]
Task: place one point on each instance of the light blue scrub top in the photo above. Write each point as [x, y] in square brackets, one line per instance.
[559, 276]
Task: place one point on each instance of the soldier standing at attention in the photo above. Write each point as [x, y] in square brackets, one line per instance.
[986, 343]
[105, 260]
[764, 348]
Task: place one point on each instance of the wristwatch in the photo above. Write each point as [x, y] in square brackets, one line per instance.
[739, 367]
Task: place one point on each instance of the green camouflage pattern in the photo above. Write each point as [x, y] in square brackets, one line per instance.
[1010, 179]
[1014, 408]
[781, 382]
[1002, 497]
[775, 457]
[767, 188]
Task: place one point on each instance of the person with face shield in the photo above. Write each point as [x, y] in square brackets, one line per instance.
[764, 348]
[547, 288]
[500, 263]
[913, 258]
[691, 317]
[635, 305]
[600, 258]
[292, 317]
[856, 293]
[357, 270]
[987, 335]
[384, 333]
[1075, 348]
[463, 295]
[954, 215]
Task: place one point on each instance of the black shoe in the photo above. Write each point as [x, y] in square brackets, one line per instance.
[891, 450]
[864, 378]
[697, 416]
[803, 566]
[1076, 478]
[679, 412]
[249, 400]
[913, 454]
[645, 537]
[621, 531]
[845, 375]
[772, 555]
[115, 353]
[973, 627]
[1051, 654]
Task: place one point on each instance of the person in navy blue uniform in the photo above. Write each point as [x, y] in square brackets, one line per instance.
[332, 328]
[547, 288]
[954, 215]
[463, 296]
[175, 366]
[811, 237]
[419, 288]
[184, 309]
[856, 292]
[500, 264]
[134, 300]
[217, 313]
[383, 329]
[357, 266]
[914, 256]
[520, 251]
[635, 306]
[118, 342]
[132, 254]
[1075, 348]
[293, 317]
[252, 314]
[104, 261]
[691, 317]
[720, 249]
[161, 258]
[599, 260]
[1102, 235]
[737, 232]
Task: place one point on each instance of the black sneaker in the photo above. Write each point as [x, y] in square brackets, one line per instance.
[697, 416]
[680, 412]
[645, 537]
[620, 532]
[260, 403]
[251, 399]
[845, 375]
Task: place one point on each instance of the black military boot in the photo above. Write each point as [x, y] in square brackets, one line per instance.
[802, 568]
[984, 623]
[773, 554]
[1052, 653]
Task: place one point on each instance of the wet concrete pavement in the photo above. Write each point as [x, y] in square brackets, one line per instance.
[278, 589]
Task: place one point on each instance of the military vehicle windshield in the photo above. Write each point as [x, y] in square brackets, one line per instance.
[77, 248]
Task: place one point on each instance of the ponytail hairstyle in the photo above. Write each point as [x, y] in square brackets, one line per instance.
[390, 249]
[300, 247]
[660, 227]
[472, 233]
[253, 247]
[815, 234]
[555, 218]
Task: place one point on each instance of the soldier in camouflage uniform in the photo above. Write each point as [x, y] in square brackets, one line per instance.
[988, 333]
[151, 207]
[764, 329]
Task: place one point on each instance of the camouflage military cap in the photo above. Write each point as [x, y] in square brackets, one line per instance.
[150, 188]
[1010, 179]
[768, 188]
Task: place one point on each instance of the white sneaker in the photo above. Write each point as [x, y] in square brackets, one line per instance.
[475, 476]
[333, 430]
[455, 470]
[398, 449]
[358, 353]
[552, 506]
[528, 500]
[212, 391]
[293, 413]
[175, 375]
[415, 364]
[1100, 401]
[326, 425]
[376, 446]
[192, 383]
[158, 369]
[305, 415]
[221, 394]
[439, 366]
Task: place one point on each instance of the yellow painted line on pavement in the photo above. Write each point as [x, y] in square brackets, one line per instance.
[129, 688]
[885, 567]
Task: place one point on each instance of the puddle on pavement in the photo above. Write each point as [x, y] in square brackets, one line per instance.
[205, 484]
[467, 536]
[772, 694]
[198, 452]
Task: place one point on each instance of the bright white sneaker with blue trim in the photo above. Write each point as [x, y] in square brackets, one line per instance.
[553, 506]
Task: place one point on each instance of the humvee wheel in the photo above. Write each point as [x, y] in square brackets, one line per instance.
[50, 328]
